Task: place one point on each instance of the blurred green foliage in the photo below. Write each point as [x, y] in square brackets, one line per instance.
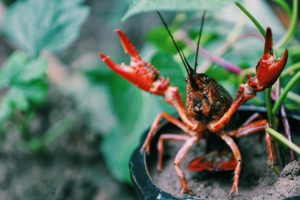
[33, 26]
[140, 6]
[24, 80]
[36, 25]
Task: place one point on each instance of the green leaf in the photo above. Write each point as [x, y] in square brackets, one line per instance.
[35, 25]
[294, 53]
[135, 111]
[156, 35]
[208, 36]
[168, 67]
[140, 6]
[225, 78]
[127, 135]
[23, 79]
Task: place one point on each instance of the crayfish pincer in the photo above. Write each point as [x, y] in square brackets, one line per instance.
[209, 107]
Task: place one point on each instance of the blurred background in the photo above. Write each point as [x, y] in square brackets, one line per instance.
[68, 124]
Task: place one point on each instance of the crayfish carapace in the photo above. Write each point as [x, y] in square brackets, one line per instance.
[208, 107]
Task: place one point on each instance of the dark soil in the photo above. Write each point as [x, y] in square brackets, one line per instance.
[73, 169]
[69, 168]
[258, 181]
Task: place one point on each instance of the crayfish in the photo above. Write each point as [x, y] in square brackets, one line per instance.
[209, 107]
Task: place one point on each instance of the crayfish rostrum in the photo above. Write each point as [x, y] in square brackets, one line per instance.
[209, 108]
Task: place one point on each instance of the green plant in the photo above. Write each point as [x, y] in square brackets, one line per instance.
[34, 26]
[280, 96]
[23, 79]
[37, 25]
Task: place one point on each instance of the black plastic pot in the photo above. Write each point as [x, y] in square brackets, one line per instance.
[139, 171]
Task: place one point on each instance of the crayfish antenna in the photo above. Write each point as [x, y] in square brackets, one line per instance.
[186, 64]
[198, 42]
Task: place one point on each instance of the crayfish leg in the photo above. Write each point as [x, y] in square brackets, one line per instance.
[214, 161]
[155, 125]
[252, 118]
[178, 159]
[257, 127]
[160, 145]
[237, 155]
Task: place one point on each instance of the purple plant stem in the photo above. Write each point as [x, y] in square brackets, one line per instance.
[220, 61]
[287, 129]
[274, 94]
[252, 34]
[213, 58]
[285, 122]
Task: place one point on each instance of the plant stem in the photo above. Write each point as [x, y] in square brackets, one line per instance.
[181, 35]
[275, 92]
[59, 128]
[263, 32]
[251, 17]
[269, 105]
[293, 96]
[285, 91]
[291, 30]
[232, 37]
[283, 140]
[291, 69]
[284, 6]
[253, 35]
[287, 129]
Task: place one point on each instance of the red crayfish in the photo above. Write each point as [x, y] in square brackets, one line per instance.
[209, 107]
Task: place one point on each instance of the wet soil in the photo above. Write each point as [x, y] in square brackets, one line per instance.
[258, 181]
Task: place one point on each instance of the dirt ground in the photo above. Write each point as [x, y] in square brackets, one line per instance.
[58, 177]
[71, 167]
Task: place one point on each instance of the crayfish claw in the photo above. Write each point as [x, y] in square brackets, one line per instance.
[122, 69]
[138, 72]
[268, 50]
[269, 70]
[268, 67]
[283, 60]
[107, 60]
[127, 45]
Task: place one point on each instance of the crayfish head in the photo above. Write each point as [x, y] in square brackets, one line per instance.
[268, 67]
[206, 99]
[198, 82]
